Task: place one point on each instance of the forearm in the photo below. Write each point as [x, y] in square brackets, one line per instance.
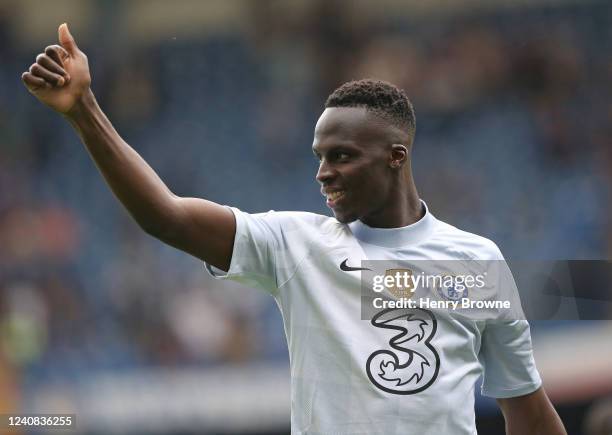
[547, 425]
[131, 179]
[532, 414]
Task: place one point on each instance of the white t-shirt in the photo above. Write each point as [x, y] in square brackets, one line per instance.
[336, 357]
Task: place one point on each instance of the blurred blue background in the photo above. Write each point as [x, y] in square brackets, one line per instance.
[513, 103]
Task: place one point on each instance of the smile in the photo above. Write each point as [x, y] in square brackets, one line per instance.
[334, 196]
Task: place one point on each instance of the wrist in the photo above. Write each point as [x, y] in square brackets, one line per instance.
[83, 107]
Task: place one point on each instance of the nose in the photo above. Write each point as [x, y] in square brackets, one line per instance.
[325, 172]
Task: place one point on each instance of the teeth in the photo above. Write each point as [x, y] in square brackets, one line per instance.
[334, 195]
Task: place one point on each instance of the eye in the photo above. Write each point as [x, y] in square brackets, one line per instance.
[343, 156]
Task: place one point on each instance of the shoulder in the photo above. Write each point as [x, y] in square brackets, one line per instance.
[287, 222]
[298, 219]
[465, 244]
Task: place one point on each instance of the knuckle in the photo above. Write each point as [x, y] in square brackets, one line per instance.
[40, 57]
[34, 68]
[51, 49]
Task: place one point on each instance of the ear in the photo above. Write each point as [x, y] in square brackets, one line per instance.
[399, 155]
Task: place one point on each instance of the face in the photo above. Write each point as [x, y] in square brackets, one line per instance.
[358, 164]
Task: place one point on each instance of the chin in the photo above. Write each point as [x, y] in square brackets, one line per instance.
[344, 218]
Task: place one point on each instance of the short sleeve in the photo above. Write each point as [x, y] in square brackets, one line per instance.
[506, 355]
[266, 249]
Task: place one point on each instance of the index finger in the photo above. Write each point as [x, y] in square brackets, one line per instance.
[47, 62]
[57, 53]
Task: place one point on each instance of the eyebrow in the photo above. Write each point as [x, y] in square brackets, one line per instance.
[338, 147]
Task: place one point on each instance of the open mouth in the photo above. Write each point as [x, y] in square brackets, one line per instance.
[334, 197]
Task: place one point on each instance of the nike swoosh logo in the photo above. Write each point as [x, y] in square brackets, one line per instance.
[346, 268]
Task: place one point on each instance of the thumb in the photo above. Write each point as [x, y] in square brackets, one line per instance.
[66, 40]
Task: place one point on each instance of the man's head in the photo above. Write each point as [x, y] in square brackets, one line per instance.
[363, 140]
[379, 98]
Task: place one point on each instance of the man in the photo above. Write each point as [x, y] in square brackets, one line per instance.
[309, 263]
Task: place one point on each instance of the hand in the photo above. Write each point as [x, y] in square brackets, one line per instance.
[60, 76]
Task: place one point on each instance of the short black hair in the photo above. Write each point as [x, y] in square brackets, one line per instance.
[380, 97]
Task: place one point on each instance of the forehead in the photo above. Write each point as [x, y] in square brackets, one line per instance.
[352, 125]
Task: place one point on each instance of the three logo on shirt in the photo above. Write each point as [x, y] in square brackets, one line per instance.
[411, 364]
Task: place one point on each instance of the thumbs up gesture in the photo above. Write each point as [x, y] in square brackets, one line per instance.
[60, 76]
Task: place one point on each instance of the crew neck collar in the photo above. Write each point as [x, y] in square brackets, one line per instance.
[395, 237]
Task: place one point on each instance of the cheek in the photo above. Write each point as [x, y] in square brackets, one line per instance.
[376, 181]
[369, 182]
[377, 192]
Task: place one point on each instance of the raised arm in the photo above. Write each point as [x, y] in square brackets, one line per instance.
[60, 78]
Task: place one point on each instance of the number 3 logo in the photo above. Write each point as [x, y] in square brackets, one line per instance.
[413, 364]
